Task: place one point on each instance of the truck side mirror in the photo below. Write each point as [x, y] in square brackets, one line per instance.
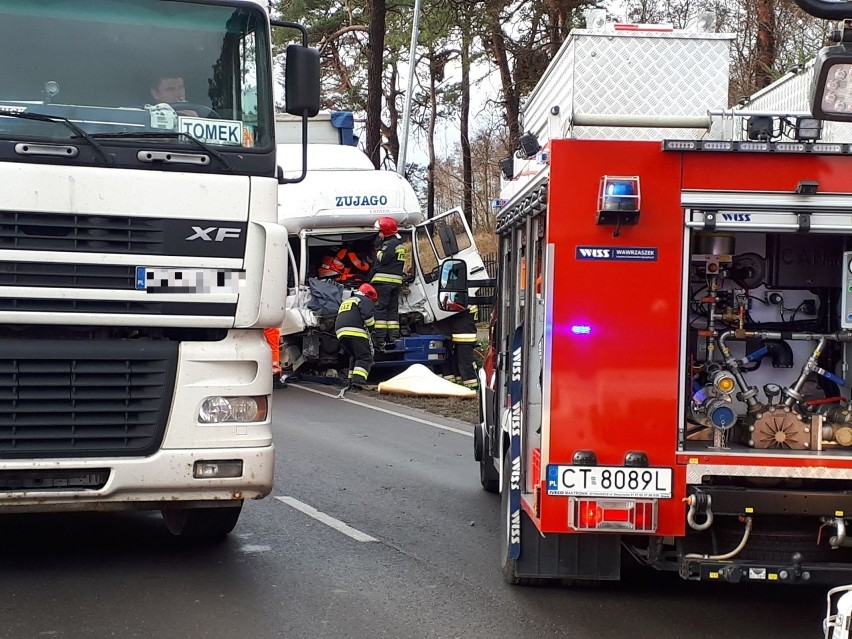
[452, 286]
[302, 88]
[453, 277]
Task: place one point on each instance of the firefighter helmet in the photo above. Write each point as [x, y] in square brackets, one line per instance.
[369, 291]
[386, 226]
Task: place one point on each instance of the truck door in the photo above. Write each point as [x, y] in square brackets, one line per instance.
[444, 236]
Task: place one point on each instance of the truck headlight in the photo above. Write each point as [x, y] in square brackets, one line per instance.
[218, 410]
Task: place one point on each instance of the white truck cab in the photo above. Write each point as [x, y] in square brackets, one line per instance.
[336, 206]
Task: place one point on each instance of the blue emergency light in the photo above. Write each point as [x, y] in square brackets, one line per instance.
[618, 201]
[620, 194]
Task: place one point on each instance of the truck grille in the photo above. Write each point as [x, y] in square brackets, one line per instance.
[117, 234]
[84, 399]
[117, 306]
[90, 233]
[59, 275]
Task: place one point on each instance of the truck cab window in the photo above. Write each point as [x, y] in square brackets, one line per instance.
[449, 235]
[426, 254]
[137, 67]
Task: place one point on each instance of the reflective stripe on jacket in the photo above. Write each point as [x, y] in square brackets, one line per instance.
[354, 316]
[390, 262]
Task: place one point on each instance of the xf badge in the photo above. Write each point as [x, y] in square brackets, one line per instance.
[213, 233]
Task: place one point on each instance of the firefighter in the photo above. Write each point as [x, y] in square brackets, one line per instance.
[461, 329]
[273, 338]
[352, 327]
[386, 276]
[344, 266]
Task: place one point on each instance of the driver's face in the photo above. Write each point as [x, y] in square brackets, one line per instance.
[170, 91]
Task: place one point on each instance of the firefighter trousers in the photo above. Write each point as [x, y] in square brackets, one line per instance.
[360, 354]
[386, 330]
[464, 361]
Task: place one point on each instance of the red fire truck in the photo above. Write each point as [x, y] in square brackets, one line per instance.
[673, 333]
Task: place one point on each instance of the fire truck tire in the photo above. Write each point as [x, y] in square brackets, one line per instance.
[212, 523]
[488, 475]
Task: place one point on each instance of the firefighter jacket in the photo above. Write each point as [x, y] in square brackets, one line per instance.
[355, 317]
[344, 266]
[390, 262]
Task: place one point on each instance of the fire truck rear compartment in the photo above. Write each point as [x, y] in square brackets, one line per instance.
[767, 351]
[765, 401]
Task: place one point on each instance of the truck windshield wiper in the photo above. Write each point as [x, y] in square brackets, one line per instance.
[41, 117]
[168, 134]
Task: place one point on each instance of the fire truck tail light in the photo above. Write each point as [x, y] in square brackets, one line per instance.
[589, 515]
[613, 514]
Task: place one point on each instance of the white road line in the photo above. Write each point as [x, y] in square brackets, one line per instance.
[458, 431]
[328, 520]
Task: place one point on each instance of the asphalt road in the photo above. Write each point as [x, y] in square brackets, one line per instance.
[411, 551]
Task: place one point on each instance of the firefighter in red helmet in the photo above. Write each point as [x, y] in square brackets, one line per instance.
[352, 327]
[386, 276]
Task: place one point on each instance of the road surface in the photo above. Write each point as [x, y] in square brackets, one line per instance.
[377, 528]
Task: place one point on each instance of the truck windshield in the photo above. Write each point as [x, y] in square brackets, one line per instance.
[137, 66]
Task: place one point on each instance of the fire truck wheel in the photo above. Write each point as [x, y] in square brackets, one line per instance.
[213, 523]
[488, 475]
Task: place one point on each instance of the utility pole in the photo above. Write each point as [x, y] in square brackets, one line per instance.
[406, 118]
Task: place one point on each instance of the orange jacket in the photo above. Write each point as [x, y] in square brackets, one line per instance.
[344, 265]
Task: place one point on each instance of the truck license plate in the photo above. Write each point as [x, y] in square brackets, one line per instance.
[609, 481]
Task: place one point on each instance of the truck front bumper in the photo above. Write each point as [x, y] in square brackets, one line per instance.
[169, 477]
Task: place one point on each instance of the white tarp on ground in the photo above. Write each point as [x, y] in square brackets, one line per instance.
[417, 379]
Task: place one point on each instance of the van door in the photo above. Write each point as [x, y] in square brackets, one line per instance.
[444, 236]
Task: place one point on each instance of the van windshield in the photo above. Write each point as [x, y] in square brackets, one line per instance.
[137, 66]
